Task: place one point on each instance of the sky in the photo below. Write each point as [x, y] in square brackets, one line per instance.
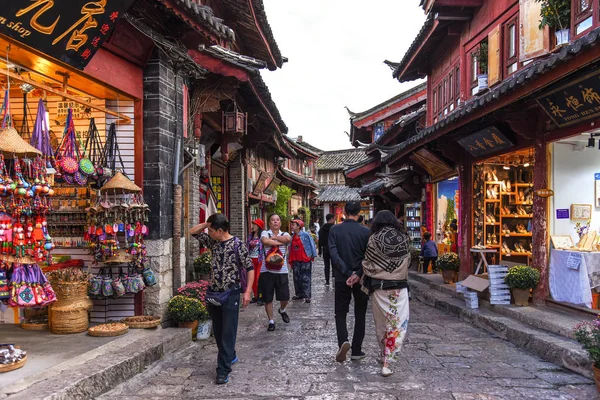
[336, 50]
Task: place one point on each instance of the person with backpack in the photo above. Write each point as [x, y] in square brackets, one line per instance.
[302, 253]
[231, 270]
[273, 282]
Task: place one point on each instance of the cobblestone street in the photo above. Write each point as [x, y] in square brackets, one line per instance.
[443, 358]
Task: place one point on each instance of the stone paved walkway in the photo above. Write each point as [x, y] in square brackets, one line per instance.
[443, 358]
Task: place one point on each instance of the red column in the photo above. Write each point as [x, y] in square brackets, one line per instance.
[540, 219]
[465, 177]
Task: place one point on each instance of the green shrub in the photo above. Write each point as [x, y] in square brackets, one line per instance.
[202, 264]
[448, 262]
[186, 309]
[555, 14]
[588, 334]
[522, 277]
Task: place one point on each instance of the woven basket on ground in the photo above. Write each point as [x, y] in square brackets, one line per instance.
[110, 329]
[70, 291]
[120, 184]
[12, 144]
[142, 322]
[13, 366]
[34, 326]
[70, 321]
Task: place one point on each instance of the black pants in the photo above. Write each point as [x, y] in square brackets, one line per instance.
[426, 261]
[327, 261]
[225, 324]
[343, 295]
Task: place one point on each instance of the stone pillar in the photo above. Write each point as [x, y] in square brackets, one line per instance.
[163, 116]
[465, 228]
[191, 217]
[237, 197]
[540, 220]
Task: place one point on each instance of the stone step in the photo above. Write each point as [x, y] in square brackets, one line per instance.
[549, 346]
[95, 372]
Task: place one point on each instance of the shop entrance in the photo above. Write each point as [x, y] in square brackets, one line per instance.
[503, 207]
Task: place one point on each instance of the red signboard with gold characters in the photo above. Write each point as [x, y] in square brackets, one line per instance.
[68, 30]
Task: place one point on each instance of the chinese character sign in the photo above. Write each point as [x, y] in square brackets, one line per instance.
[68, 30]
[485, 141]
[379, 131]
[574, 102]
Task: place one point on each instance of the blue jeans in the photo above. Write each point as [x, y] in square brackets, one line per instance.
[225, 323]
[302, 279]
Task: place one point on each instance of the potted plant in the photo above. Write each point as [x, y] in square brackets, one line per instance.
[202, 265]
[186, 311]
[197, 290]
[521, 279]
[482, 60]
[448, 263]
[556, 14]
[588, 334]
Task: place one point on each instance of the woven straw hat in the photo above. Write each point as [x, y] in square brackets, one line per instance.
[120, 184]
[11, 144]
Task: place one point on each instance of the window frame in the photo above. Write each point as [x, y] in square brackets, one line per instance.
[473, 79]
[507, 60]
[578, 17]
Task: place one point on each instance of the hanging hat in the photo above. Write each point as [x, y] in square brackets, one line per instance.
[11, 144]
[120, 184]
[299, 222]
[260, 223]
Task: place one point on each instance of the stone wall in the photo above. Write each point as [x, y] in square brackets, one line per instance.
[192, 193]
[237, 197]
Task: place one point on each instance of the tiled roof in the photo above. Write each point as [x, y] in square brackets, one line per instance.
[400, 123]
[415, 44]
[301, 147]
[340, 159]
[297, 178]
[366, 161]
[388, 102]
[336, 193]
[385, 182]
[528, 73]
[247, 14]
[308, 146]
[232, 57]
[204, 15]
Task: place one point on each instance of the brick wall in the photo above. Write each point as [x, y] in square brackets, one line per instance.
[237, 197]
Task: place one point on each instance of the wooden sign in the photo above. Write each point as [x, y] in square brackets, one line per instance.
[69, 30]
[259, 186]
[576, 101]
[485, 141]
[562, 241]
[544, 193]
[272, 186]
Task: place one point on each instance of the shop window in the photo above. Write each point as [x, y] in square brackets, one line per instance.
[582, 12]
[511, 46]
[434, 101]
[474, 72]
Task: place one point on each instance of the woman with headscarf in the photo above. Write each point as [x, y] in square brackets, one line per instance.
[255, 250]
[385, 267]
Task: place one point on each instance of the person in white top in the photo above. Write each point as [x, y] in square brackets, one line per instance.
[273, 281]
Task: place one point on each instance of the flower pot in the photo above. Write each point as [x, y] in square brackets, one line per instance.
[596, 377]
[204, 329]
[189, 325]
[562, 36]
[482, 82]
[448, 276]
[521, 296]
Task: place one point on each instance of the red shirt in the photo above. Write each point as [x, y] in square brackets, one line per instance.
[297, 252]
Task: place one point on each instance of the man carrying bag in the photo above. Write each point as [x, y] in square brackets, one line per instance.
[231, 269]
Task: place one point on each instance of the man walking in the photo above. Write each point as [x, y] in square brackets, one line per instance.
[301, 255]
[229, 257]
[347, 246]
[324, 245]
[273, 281]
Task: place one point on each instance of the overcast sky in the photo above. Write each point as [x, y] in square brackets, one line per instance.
[336, 50]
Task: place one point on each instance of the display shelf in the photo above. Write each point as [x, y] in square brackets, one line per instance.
[522, 184]
[492, 200]
[513, 216]
[516, 254]
[508, 193]
[493, 223]
[519, 234]
[492, 182]
[492, 246]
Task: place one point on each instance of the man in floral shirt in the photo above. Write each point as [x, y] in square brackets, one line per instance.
[229, 256]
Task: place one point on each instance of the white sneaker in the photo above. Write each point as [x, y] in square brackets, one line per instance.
[385, 371]
[342, 352]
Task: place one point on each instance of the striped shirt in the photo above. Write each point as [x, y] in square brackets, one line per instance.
[282, 248]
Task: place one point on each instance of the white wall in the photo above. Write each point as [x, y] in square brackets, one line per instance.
[573, 183]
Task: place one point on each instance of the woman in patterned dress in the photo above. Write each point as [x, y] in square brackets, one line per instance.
[385, 267]
[256, 255]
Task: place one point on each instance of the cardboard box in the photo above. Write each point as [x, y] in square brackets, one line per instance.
[476, 283]
[10, 315]
[460, 288]
[500, 302]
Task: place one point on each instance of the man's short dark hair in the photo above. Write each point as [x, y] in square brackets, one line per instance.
[352, 208]
[329, 217]
[427, 236]
[219, 221]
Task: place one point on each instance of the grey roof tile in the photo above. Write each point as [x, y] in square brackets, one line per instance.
[335, 193]
[340, 159]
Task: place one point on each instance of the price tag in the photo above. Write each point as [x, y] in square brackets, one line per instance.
[574, 261]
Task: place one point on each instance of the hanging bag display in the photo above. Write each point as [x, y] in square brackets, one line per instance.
[149, 277]
[67, 155]
[95, 288]
[118, 287]
[4, 289]
[107, 288]
[40, 138]
[110, 155]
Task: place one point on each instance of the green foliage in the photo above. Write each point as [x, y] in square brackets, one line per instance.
[555, 14]
[448, 262]
[482, 56]
[414, 253]
[588, 334]
[186, 309]
[202, 264]
[450, 212]
[306, 212]
[284, 194]
[522, 277]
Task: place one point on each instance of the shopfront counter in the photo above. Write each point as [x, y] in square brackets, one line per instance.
[573, 275]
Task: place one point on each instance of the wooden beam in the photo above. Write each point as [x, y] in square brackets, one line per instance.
[540, 219]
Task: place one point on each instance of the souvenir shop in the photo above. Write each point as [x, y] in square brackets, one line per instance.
[72, 220]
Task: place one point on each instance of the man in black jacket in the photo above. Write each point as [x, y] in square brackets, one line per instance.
[347, 246]
[324, 245]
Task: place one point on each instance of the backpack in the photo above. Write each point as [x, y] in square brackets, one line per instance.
[274, 259]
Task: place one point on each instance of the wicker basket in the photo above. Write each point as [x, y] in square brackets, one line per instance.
[146, 322]
[120, 184]
[70, 291]
[29, 326]
[94, 331]
[69, 321]
[13, 366]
